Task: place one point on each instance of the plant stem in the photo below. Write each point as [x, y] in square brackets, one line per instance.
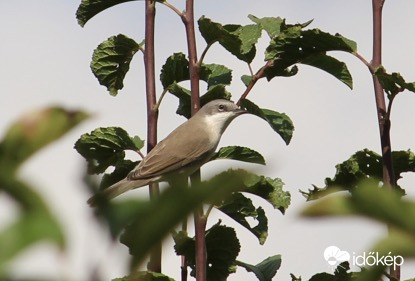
[152, 112]
[194, 70]
[183, 258]
[260, 74]
[382, 112]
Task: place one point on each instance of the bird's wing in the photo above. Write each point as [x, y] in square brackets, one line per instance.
[169, 156]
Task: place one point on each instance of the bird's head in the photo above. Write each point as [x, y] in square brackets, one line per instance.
[218, 114]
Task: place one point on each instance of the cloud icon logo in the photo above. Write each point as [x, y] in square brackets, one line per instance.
[333, 255]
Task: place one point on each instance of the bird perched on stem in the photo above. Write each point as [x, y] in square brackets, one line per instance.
[182, 152]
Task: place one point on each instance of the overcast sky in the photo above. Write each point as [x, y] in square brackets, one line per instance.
[44, 60]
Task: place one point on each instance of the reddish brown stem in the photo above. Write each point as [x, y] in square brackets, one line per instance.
[152, 112]
[194, 70]
[382, 112]
[260, 74]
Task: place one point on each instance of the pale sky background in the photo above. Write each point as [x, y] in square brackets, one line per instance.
[44, 60]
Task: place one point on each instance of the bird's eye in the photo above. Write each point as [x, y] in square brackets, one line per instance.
[221, 107]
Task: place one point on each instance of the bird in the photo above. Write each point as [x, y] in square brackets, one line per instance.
[182, 152]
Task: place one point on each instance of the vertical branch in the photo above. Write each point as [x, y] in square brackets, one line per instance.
[152, 111]
[382, 112]
[194, 70]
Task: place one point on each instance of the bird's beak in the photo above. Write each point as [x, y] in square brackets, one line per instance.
[240, 111]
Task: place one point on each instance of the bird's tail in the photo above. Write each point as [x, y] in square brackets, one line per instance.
[116, 189]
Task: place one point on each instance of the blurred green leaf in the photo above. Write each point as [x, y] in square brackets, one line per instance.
[361, 165]
[35, 222]
[264, 187]
[266, 269]
[89, 8]
[111, 61]
[145, 276]
[175, 70]
[238, 40]
[239, 208]
[279, 122]
[155, 219]
[393, 83]
[240, 153]
[222, 247]
[371, 201]
[105, 147]
[33, 131]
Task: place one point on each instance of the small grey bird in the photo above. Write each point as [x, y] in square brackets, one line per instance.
[183, 151]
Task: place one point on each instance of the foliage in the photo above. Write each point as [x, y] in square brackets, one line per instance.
[362, 165]
[35, 222]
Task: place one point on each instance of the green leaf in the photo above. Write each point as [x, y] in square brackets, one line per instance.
[175, 70]
[332, 66]
[239, 208]
[34, 224]
[33, 131]
[222, 247]
[145, 276]
[105, 147]
[361, 165]
[249, 35]
[246, 79]
[266, 269]
[264, 187]
[279, 122]
[371, 201]
[294, 278]
[294, 45]
[215, 92]
[393, 83]
[238, 40]
[183, 94]
[89, 8]
[111, 61]
[215, 74]
[342, 273]
[122, 169]
[271, 25]
[240, 153]
[155, 219]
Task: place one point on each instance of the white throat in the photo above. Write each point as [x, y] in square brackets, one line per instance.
[217, 123]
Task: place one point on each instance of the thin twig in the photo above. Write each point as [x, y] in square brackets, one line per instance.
[202, 57]
[172, 7]
[362, 59]
[250, 69]
[157, 106]
[260, 74]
